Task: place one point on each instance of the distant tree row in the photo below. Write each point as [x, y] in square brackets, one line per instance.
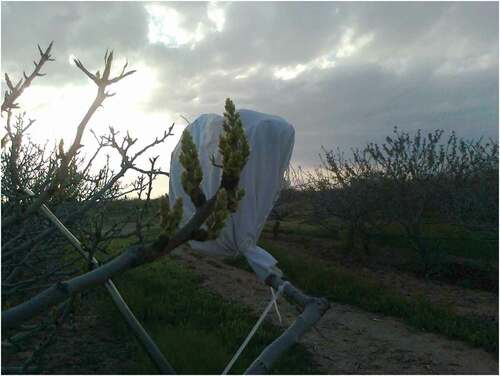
[410, 180]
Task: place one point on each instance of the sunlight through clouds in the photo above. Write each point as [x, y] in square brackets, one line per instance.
[166, 25]
[248, 72]
[324, 62]
[137, 89]
[58, 110]
[71, 59]
[217, 15]
[349, 45]
[292, 72]
[289, 73]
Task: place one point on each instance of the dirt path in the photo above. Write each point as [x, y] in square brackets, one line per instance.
[352, 341]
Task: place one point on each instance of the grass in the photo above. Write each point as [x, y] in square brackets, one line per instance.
[196, 330]
[477, 252]
[343, 286]
[448, 240]
[239, 262]
[444, 239]
[465, 258]
[299, 228]
[199, 332]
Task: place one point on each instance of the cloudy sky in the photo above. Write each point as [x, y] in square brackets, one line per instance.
[343, 73]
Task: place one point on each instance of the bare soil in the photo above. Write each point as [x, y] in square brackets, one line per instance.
[88, 348]
[83, 344]
[349, 340]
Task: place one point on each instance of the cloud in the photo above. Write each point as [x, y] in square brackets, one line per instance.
[343, 73]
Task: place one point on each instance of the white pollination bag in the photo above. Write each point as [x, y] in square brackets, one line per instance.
[271, 140]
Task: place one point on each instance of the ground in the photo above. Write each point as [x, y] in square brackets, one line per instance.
[349, 340]
[388, 274]
[199, 309]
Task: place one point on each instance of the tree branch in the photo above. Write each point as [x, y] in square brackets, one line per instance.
[131, 258]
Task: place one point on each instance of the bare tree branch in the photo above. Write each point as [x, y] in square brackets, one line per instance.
[15, 91]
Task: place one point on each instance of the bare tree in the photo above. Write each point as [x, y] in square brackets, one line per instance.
[34, 255]
[345, 190]
[39, 273]
[426, 180]
[411, 180]
[282, 207]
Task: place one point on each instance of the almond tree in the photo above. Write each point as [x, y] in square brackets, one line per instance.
[411, 180]
[427, 181]
[64, 165]
[63, 179]
[35, 178]
[346, 189]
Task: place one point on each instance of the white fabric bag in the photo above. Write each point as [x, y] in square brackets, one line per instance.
[271, 140]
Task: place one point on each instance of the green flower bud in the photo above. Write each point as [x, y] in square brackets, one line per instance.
[216, 220]
[192, 175]
[164, 211]
[233, 146]
[173, 218]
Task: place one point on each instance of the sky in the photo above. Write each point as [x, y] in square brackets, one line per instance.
[342, 73]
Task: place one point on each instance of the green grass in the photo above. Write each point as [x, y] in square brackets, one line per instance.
[447, 240]
[196, 330]
[444, 240]
[477, 252]
[239, 262]
[299, 228]
[343, 286]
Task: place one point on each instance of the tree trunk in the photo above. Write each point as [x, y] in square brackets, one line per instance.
[276, 228]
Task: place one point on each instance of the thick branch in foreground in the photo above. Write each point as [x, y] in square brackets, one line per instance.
[134, 256]
[143, 337]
